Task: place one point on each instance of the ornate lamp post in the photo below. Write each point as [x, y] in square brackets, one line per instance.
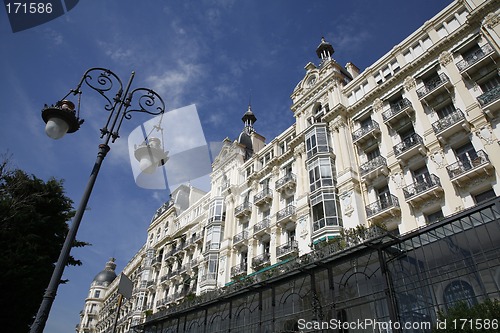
[62, 118]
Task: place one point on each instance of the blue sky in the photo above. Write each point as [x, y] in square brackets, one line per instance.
[213, 54]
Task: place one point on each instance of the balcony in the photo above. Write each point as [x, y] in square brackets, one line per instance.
[262, 227]
[288, 249]
[286, 216]
[240, 238]
[245, 209]
[212, 246]
[409, 147]
[363, 134]
[263, 197]
[240, 269]
[397, 111]
[156, 262]
[473, 62]
[326, 225]
[428, 187]
[383, 208]
[208, 279]
[490, 101]
[449, 125]
[374, 168]
[468, 168]
[286, 184]
[434, 87]
[261, 260]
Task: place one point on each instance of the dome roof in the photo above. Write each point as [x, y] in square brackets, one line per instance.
[107, 275]
[245, 140]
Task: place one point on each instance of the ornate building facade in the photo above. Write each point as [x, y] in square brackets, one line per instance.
[377, 203]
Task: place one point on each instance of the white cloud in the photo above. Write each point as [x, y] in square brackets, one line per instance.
[176, 83]
[56, 38]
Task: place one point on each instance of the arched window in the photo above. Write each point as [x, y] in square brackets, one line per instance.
[459, 291]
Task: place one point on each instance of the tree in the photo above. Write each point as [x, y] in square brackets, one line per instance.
[482, 317]
[33, 226]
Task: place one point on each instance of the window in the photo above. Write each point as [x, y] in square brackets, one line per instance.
[319, 112]
[325, 210]
[459, 291]
[490, 84]
[483, 196]
[434, 217]
[320, 173]
[466, 155]
[214, 236]
[248, 171]
[266, 246]
[316, 141]
[265, 183]
[212, 265]
[216, 210]
[97, 293]
[474, 51]
[283, 147]
[384, 196]
[422, 176]
[372, 154]
[446, 110]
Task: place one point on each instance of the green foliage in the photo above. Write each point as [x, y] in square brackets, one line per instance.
[482, 317]
[33, 226]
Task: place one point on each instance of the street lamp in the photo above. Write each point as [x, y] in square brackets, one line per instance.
[63, 118]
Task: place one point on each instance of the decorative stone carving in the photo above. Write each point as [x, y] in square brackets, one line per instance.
[222, 265]
[302, 224]
[337, 123]
[276, 171]
[299, 150]
[445, 58]
[398, 179]
[409, 83]
[491, 20]
[377, 104]
[438, 158]
[346, 200]
[486, 134]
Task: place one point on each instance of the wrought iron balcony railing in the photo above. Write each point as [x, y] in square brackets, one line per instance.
[286, 179]
[489, 96]
[244, 207]
[240, 236]
[381, 205]
[427, 182]
[285, 212]
[432, 85]
[466, 163]
[262, 225]
[369, 127]
[239, 269]
[472, 58]
[396, 108]
[408, 143]
[262, 195]
[287, 248]
[261, 259]
[448, 121]
[372, 165]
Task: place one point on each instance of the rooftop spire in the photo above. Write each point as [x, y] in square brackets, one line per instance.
[249, 119]
[324, 50]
